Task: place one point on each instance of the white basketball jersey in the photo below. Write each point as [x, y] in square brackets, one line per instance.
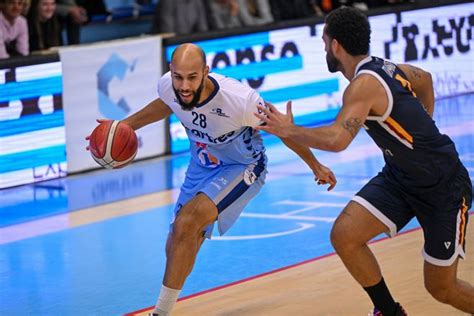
[220, 129]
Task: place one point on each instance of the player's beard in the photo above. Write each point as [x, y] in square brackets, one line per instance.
[196, 96]
[332, 62]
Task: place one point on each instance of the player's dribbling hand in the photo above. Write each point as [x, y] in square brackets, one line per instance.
[324, 175]
[276, 123]
[88, 137]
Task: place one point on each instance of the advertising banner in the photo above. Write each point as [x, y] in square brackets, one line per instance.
[110, 80]
[282, 65]
[290, 64]
[439, 40]
[32, 137]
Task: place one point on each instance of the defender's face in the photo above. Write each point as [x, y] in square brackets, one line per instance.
[331, 60]
[188, 83]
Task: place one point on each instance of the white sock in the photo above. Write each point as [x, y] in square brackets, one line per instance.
[166, 300]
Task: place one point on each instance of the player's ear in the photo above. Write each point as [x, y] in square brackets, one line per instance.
[334, 45]
[206, 71]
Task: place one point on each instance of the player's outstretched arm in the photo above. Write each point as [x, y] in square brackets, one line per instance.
[335, 137]
[322, 174]
[422, 84]
[154, 111]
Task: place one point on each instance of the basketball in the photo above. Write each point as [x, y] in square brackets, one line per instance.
[113, 144]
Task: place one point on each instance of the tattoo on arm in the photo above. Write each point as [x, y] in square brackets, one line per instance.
[415, 71]
[352, 125]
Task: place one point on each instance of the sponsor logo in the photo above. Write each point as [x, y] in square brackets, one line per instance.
[219, 112]
[249, 177]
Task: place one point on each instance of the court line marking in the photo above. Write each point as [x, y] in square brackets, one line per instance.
[101, 213]
[258, 276]
[87, 216]
[302, 227]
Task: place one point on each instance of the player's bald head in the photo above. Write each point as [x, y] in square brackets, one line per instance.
[188, 53]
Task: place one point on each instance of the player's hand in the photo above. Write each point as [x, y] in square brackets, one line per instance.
[88, 137]
[324, 175]
[276, 123]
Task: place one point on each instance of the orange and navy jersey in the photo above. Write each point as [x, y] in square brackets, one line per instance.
[417, 155]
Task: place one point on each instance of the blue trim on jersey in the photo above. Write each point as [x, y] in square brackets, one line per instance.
[261, 68]
[30, 89]
[241, 187]
[212, 95]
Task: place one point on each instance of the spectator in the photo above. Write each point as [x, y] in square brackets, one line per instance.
[72, 17]
[180, 17]
[26, 7]
[255, 12]
[292, 9]
[13, 29]
[224, 14]
[43, 25]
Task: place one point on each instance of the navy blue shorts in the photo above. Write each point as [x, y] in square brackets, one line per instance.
[442, 213]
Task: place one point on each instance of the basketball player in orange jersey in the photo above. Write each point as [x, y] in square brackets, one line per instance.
[228, 162]
[423, 176]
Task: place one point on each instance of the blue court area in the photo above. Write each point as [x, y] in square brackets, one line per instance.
[53, 264]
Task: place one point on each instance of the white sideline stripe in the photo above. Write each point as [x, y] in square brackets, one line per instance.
[303, 226]
[290, 217]
[33, 140]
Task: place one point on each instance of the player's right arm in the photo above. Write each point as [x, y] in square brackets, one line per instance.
[154, 111]
[422, 84]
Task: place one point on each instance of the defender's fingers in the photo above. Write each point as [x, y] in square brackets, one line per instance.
[288, 108]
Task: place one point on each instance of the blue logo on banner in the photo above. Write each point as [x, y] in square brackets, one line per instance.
[115, 67]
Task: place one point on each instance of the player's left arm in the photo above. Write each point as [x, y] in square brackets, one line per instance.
[422, 84]
[357, 103]
[322, 174]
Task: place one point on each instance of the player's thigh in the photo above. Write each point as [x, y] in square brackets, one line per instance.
[378, 207]
[443, 215]
[233, 188]
[355, 225]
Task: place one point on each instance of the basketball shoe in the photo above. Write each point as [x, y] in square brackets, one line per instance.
[400, 311]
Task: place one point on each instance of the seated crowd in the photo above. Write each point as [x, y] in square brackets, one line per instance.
[28, 26]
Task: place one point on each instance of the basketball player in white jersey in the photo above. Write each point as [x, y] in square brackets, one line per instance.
[228, 161]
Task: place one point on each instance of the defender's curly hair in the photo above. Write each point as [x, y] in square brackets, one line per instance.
[350, 28]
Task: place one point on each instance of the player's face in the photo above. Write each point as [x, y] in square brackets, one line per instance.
[331, 60]
[188, 87]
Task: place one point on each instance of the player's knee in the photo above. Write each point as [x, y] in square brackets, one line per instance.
[191, 221]
[182, 228]
[339, 236]
[438, 290]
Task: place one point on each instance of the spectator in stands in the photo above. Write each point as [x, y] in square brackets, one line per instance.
[26, 7]
[43, 25]
[71, 16]
[224, 14]
[13, 29]
[255, 12]
[293, 9]
[180, 17]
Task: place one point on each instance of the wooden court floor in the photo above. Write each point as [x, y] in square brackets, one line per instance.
[323, 287]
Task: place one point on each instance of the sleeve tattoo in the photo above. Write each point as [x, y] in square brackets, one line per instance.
[415, 71]
[352, 125]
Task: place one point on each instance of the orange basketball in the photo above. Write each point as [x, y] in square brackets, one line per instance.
[113, 144]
